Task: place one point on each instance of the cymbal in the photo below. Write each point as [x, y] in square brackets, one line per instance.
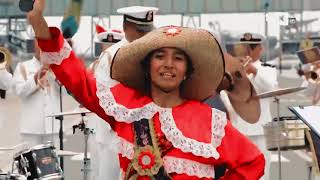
[66, 153]
[69, 113]
[280, 92]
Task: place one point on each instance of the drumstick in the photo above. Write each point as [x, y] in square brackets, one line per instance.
[247, 62]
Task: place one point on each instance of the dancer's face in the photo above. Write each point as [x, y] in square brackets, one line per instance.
[168, 68]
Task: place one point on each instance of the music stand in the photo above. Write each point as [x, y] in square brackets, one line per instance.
[309, 55]
[310, 116]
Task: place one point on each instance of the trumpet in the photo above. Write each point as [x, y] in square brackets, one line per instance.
[5, 57]
[311, 72]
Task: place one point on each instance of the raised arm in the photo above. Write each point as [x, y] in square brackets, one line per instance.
[37, 21]
[67, 67]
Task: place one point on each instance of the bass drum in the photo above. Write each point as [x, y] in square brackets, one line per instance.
[39, 162]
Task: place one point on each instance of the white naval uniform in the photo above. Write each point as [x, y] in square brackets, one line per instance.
[5, 79]
[104, 159]
[265, 80]
[36, 103]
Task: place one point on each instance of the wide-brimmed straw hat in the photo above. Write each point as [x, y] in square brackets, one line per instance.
[200, 45]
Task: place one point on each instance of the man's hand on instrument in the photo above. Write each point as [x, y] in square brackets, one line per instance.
[41, 78]
[250, 69]
[3, 65]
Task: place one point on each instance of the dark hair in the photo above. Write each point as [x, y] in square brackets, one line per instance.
[253, 46]
[145, 63]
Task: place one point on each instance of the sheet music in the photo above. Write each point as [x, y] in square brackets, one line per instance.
[310, 115]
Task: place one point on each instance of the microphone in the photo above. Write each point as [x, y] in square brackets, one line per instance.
[26, 5]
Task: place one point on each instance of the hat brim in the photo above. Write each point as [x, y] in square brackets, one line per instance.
[201, 46]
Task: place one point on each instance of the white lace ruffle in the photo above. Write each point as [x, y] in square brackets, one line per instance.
[178, 140]
[107, 101]
[102, 72]
[56, 57]
[125, 148]
[120, 112]
[168, 126]
[219, 122]
[188, 167]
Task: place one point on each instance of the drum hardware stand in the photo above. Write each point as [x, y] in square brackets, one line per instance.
[60, 118]
[25, 163]
[86, 131]
[277, 101]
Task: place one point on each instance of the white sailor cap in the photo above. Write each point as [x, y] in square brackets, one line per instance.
[110, 36]
[140, 15]
[252, 38]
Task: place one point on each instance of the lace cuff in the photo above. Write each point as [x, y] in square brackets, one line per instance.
[56, 57]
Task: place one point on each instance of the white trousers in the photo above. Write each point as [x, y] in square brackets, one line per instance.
[104, 162]
[260, 142]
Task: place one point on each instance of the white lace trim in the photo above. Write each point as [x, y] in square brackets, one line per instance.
[178, 140]
[56, 57]
[168, 126]
[219, 122]
[120, 112]
[125, 148]
[188, 167]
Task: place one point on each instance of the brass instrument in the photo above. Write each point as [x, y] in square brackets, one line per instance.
[311, 73]
[5, 57]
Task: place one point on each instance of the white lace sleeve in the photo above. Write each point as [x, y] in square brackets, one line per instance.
[56, 57]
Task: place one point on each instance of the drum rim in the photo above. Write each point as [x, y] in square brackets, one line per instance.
[36, 147]
[54, 175]
[41, 146]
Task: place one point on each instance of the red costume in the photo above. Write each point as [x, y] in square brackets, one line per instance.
[193, 138]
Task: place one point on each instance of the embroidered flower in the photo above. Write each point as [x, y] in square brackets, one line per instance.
[146, 160]
[172, 30]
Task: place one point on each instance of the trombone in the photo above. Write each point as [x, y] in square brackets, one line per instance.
[311, 72]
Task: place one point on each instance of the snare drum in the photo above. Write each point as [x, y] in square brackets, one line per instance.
[290, 131]
[39, 162]
[12, 177]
